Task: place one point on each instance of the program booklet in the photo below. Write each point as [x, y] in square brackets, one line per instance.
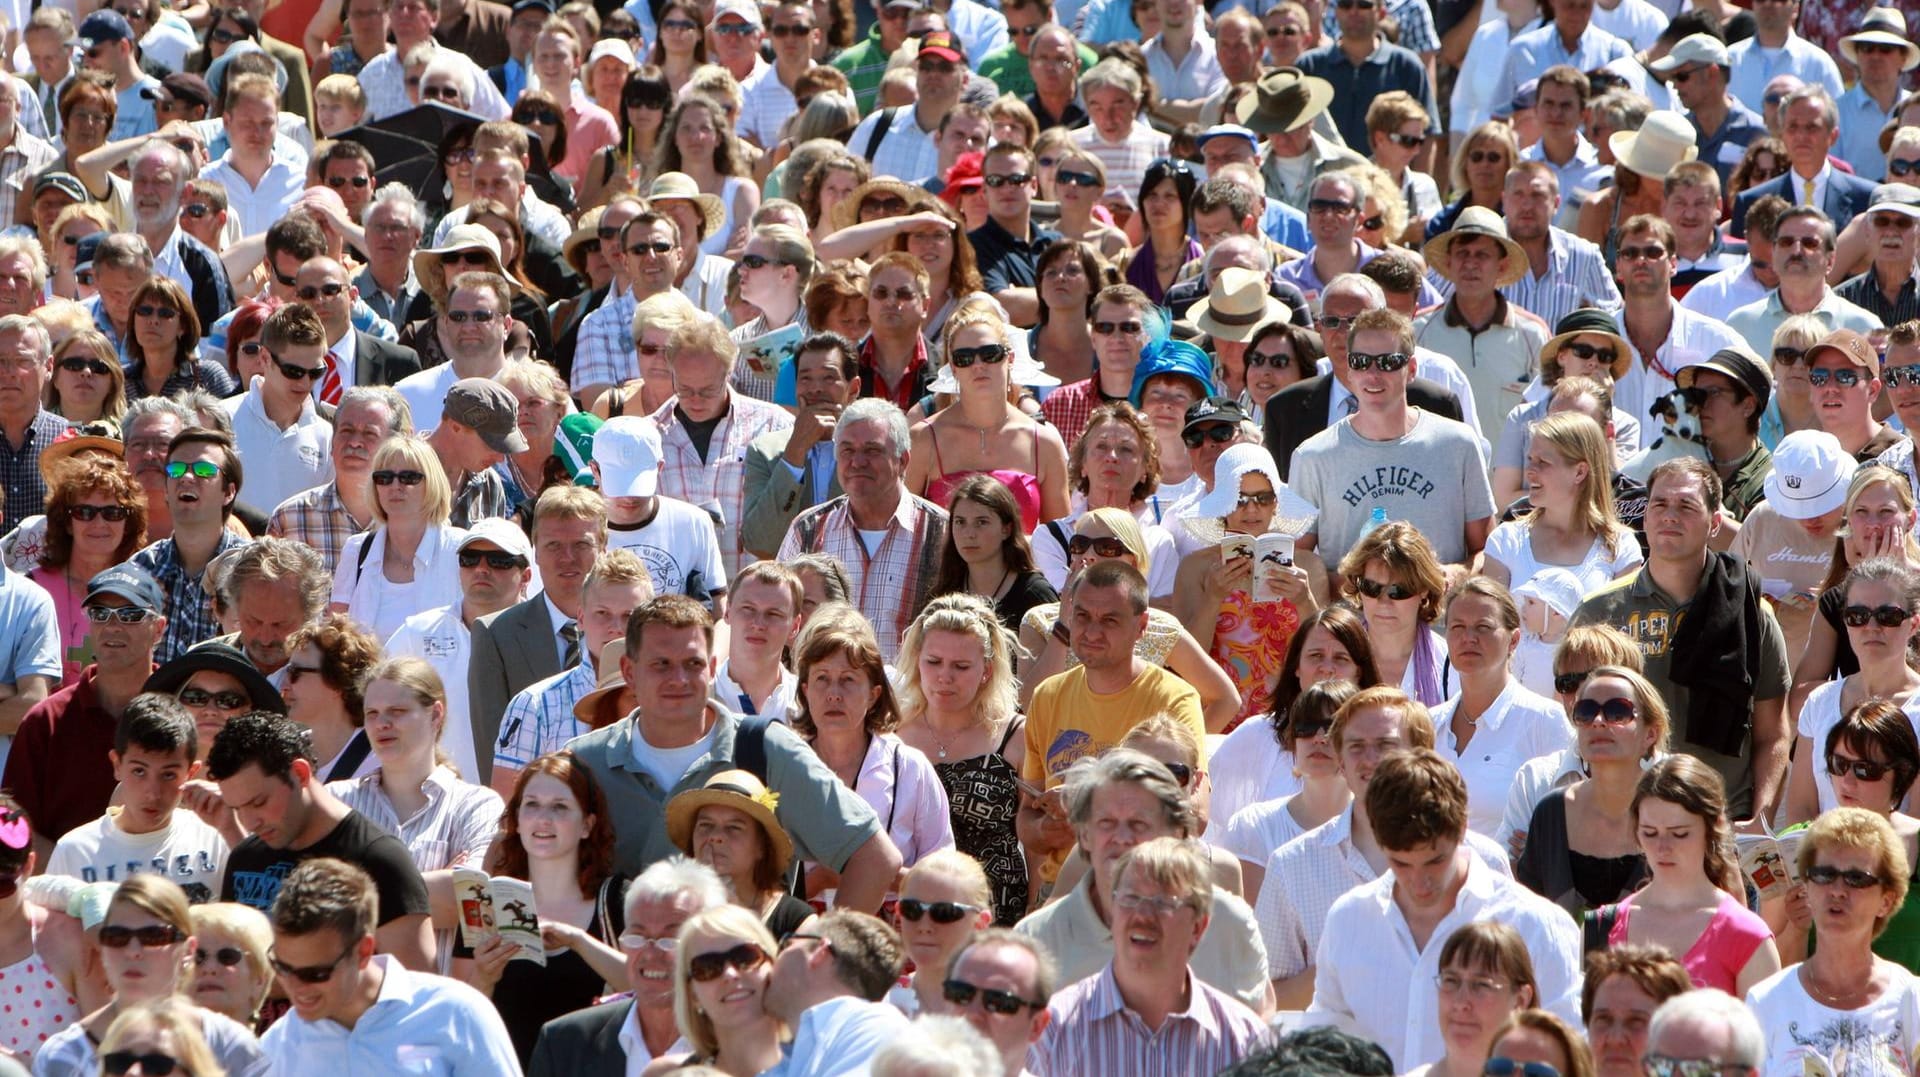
[502, 907]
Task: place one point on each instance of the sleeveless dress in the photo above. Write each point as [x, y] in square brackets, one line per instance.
[983, 796]
[1722, 950]
[1250, 643]
[33, 1005]
[528, 995]
[716, 243]
[1025, 487]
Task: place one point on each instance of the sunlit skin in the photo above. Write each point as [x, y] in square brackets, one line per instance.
[730, 842]
[838, 695]
[1471, 1015]
[649, 968]
[1122, 816]
[136, 972]
[233, 990]
[149, 786]
[1428, 876]
[733, 998]
[210, 717]
[1527, 1044]
[930, 944]
[1617, 1028]
[1673, 838]
[977, 531]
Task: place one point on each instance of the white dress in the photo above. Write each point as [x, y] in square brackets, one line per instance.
[1818, 715]
[716, 243]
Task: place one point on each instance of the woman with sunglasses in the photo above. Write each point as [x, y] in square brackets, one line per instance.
[1383, 209]
[1115, 464]
[96, 518]
[231, 974]
[162, 348]
[1586, 344]
[539, 113]
[232, 25]
[1166, 195]
[88, 383]
[146, 947]
[1078, 194]
[728, 826]
[1485, 978]
[407, 563]
[1580, 850]
[1881, 614]
[681, 47]
[1764, 159]
[982, 433]
[626, 166]
[1393, 575]
[1694, 901]
[1277, 355]
[161, 1037]
[1790, 408]
[543, 402]
[1254, 832]
[1478, 174]
[455, 160]
[327, 664]
[1857, 877]
[722, 970]
[1572, 522]
[944, 900]
[986, 553]
[216, 683]
[1536, 1043]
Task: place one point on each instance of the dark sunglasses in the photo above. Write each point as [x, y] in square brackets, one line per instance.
[197, 210]
[1895, 377]
[1274, 361]
[89, 513]
[337, 182]
[495, 559]
[115, 1063]
[226, 956]
[1583, 350]
[470, 258]
[1903, 168]
[1066, 178]
[590, 246]
[314, 291]
[656, 247]
[1567, 684]
[1004, 1003]
[299, 373]
[1182, 773]
[1014, 180]
[1789, 356]
[404, 478]
[943, 912]
[1652, 252]
[1412, 142]
[1107, 329]
[990, 354]
[791, 30]
[1078, 545]
[756, 261]
[742, 958]
[478, 317]
[1865, 770]
[148, 310]
[1853, 878]
[1329, 205]
[1498, 1066]
[1618, 711]
[540, 115]
[80, 364]
[309, 974]
[1309, 730]
[1385, 362]
[1846, 378]
[1218, 433]
[1397, 592]
[1373, 223]
[224, 36]
[151, 937]
[226, 701]
[1888, 616]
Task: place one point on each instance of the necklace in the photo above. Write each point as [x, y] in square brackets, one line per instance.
[986, 432]
[942, 745]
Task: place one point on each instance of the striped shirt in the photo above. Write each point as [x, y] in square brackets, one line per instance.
[20, 162]
[719, 480]
[1092, 1031]
[766, 105]
[457, 824]
[891, 583]
[1575, 276]
[1126, 162]
[605, 354]
[318, 518]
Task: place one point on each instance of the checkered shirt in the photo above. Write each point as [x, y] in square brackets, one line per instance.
[604, 354]
[20, 469]
[888, 587]
[190, 618]
[539, 719]
[318, 518]
[722, 477]
[20, 162]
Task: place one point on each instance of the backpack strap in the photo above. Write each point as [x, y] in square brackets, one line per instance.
[750, 746]
[880, 128]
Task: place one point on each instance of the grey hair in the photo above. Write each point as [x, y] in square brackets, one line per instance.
[938, 1046]
[399, 414]
[36, 257]
[30, 328]
[1621, 110]
[123, 250]
[177, 161]
[444, 64]
[1111, 74]
[1710, 1008]
[1357, 284]
[666, 879]
[1089, 776]
[270, 560]
[149, 406]
[205, 409]
[397, 194]
[1817, 94]
[874, 409]
[1342, 176]
[1236, 244]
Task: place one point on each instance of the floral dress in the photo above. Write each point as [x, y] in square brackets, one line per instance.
[1250, 642]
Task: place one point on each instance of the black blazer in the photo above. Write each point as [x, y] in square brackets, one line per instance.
[1847, 195]
[1299, 411]
[584, 1043]
[378, 362]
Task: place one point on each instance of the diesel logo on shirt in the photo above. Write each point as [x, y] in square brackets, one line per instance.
[1393, 481]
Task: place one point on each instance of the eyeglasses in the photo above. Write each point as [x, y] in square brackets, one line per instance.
[1588, 351]
[477, 317]
[1898, 222]
[126, 615]
[1895, 377]
[1668, 1066]
[1153, 906]
[298, 373]
[1107, 329]
[227, 956]
[495, 559]
[1284, 31]
[116, 1063]
[1004, 1003]
[943, 912]
[1807, 243]
[1652, 252]
[1865, 770]
[633, 942]
[309, 974]
[754, 261]
[226, 701]
[792, 30]
[148, 310]
[1895, 168]
[735, 29]
[1478, 987]
[898, 295]
[1789, 356]
[197, 210]
[314, 291]
[1507, 1067]
[680, 24]
[1852, 878]
[1681, 77]
[468, 258]
[1264, 499]
[659, 246]
[1567, 684]
[1385, 362]
[1486, 157]
[1396, 592]
[1329, 206]
[440, 92]
[1078, 545]
[80, 364]
[89, 513]
[1014, 180]
[1335, 322]
[990, 354]
[404, 478]
[199, 469]
[745, 957]
[1845, 379]
[1272, 361]
[1218, 433]
[1888, 616]
[1373, 223]
[151, 937]
[1412, 142]
[338, 182]
[1618, 711]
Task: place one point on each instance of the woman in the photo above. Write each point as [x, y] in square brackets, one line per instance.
[1070, 273]
[1245, 622]
[87, 113]
[543, 402]
[1572, 523]
[1790, 407]
[1255, 832]
[454, 163]
[166, 1032]
[1395, 578]
[406, 563]
[75, 223]
[232, 974]
[953, 277]
[681, 46]
[722, 971]
[1622, 988]
[556, 834]
[541, 115]
[774, 271]
[1814, 1013]
[88, 383]
[944, 900]
[1879, 522]
[1581, 851]
[605, 73]
[959, 707]
[698, 141]
[1535, 1037]
[1079, 179]
[1277, 355]
[825, 186]
[1486, 976]
[162, 349]
[216, 683]
[146, 941]
[657, 316]
[847, 713]
[823, 580]
[231, 25]
[1383, 209]
[1692, 904]
[1478, 173]
[983, 433]
[246, 355]
[96, 519]
[327, 666]
[1881, 614]
[1493, 723]
[1166, 198]
[1765, 159]
[729, 826]
[529, 303]
[1586, 344]
[45, 957]
[1631, 192]
[626, 167]
[1115, 465]
[986, 551]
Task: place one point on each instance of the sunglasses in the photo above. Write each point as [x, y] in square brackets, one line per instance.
[1898, 222]
[468, 258]
[634, 942]
[1219, 434]
[990, 354]
[1309, 730]
[1903, 168]
[756, 261]
[1567, 684]
[1789, 356]
[1262, 500]
[1385, 362]
[84, 278]
[1078, 546]
[1397, 592]
[224, 36]
[1014, 180]
[502, 562]
[1895, 377]
[745, 957]
[1845, 379]
[440, 93]
[148, 310]
[943, 912]
[541, 115]
[337, 182]
[887, 207]
[199, 469]
[590, 246]
[1619, 711]
[1329, 205]
[792, 30]
[126, 615]
[404, 478]
[78, 364]
[309, 974]
[735, 29]
[226, 701]
[1255, 360]
[1182, 773]
[1486, 157]
[1107, 329]
[1498, 1066]
[679, 24]
[151, 937]
[1004, 1003]
[1852, 878]
[1652, 252]
[1805, 243]
[300, 373]
[115, 1063]
[226, 956]
[477, 317]
[197, 210]
[1589, 351]
[644, 102]
[89, 513]
[1668, 1066]
[314, 291]
[1285, 31]
[1373, 223]
[1336, 322]
[1865, 770]
[1412, 142]
[1888, 616]
[657, 247]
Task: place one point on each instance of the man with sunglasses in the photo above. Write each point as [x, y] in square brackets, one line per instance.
[829, 982]
[351, 356]
[1361, 65]
[1729, 392]
[1008, 246]
[1900, 373]
[1887, 289]
[649, 250]
[203, 475]
[1803, 252]
[347, 167]
[1663, 335]
[768, 98]
[1846, 385]
[203, 211]
[275, 419]
[1881, 51]
[903, 142]
[474, 328]
[1698, 69]
[1012, 977]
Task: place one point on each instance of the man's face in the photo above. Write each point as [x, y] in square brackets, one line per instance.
[1225, 150]
[522, 29]
[555, 59]
[762, 617]
[564, 549]
[700, 383]
[736, 42]
[411, 21]
[938, 80]
[358, 429]
[1119, 332]
[1558, 110]
[1696, 1039]
[1287, 36]
[323, 285]
[1572, 16]
[793, 34]
[1358, 20]
[1375, 388]
[1236, 46]
[122, 647]
[17, 294]
[391, 234]
[1013, 172]
[604, 609]
[201, 219]
[269, 611]
[964, 134]
[483, 334]
[250, 125]
[1288, 145]
[1838, 406]
[1012, 969]
[1879, 63]
[108, 56]
[1022, 24]
[1054, 63]
[1214, 225]
[649, 968]
[1645, 266]
[269, 808]
[1146, 937]
[1807, 132]
[819, 382]
[895, 301]
[1112, 110]
[498, 178]
[351, 179]
[1369, 736]
[1723, 412]
[170, 108]
[1902, 376]
[147, 441]
[116, 286]
[1678, 522]
[651, 271]
[1338, 335]
[1692, 211]
[672, 670]
[488, 588]
[23, 374]
[325, 948]
[868, 465]
[9, 105]
[1698, 86]
[1104, 627]
[191, 497]
[1800, 251]
[52, 57]
[1425, 875]
[1476, 263]
[1894, 238]
[150, 784]
[1122, 816]
[1775, 17]
[1529, 205]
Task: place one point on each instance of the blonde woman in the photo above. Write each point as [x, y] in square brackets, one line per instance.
[944, 900]
[543, 401]
[232, 974]
[1478, 174]
[722, 970]
[88, 382]
[655, 319]
[1573, 523]
[1790, 408]
[166, 1028]
[407, 563]
[775, 269]
[1878, 521]
[1079, 179]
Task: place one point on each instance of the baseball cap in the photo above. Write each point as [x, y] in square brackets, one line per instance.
[1692, 49]
[1853, 346]
[1214, 409]
[1227, 130]
[503, 533]
[627, 448]
[487, 407]
[103, 27]
[1810, 476]
[181, 86]
[748, 10]
[130, 582]
[1901, 198]
[531, 5]
[65, 182]
[83, 252]
[940, 44]
[573, 444]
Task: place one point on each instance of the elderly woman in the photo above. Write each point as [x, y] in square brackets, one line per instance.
[232, 973]
[944, 901]
[162, 348]
[1115, 464]
[543, 401]
[986, 551]
[1166, 195]
[407, 562]
[88, 383]
[327, 666]
[1622, 988]
[1478, 174]
[1395, 578]
[96, 519]
[1790, 406]
[655, 319]
[1586, 344]
[699, 141]
[722, 971]
[728, 825]
[1485, 978]
[775, 269]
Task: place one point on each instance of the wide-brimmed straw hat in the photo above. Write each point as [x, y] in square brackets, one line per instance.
[588, 228]
[680, 187]
[847, 213]
[1882, 26]
[1236, 304]
[100, 435]
[1284, 100]
[740, 790]
[1664, 142]
[461, 237]
[1477, 221]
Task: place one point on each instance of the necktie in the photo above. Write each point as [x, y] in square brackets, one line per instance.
[570, 635]
[1352, 403]
[330, 381]
[1809, 192]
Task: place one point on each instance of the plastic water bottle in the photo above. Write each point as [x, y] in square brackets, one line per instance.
[1376, 518]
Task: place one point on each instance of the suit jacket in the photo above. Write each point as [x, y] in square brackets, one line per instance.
[511, 650]
[376, 362]
[1847, 196]
[774, 496]
[1299, 411]
[584, 1043]
[566, 335]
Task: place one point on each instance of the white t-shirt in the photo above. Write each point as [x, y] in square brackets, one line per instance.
[187, 851]
[680, 540]
[426, 395]
[1511, 544]
[1876, 1040]
[441, 638]
[1818, 715]
[667, 765]
[300, 456]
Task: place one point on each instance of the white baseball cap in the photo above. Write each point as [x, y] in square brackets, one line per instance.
[503, 533]
[627, 448]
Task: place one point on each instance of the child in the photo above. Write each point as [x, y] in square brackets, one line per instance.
[338, 103]
[1546, 602]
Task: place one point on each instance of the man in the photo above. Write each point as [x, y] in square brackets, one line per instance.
[326, 516]
[260, 185]
[1227, 224]
[1887, 289]
[1283, 107]
[57, 746]
[892, 363]
[500, 174]
[1360, 66]
[1367, 976]
[25, 426]
[965, 129]
[1013, 67]
[1003, 982]
[1181, 61]
[828, 985]
[1881, 50]
[1417, 466]
[108, 44]
[1232, 156]
[203, 482]
[1560, 101]
[764, 610]
[1119, 325]
[474, 329]
[150, 424]
[901, 142]
[736, 45]
[648, 254]
[160, 173]
[354, 998]
[525, 18]
[1730, 391]
[1803, 252]
[1496, 342]
[274, 418]
[478, 429]
[1569, 37]
[48, 36]
[121, 263]
[1148, 1009]
[347, 168]
[791, 470]
[865, 62]
[23, 155]
[411, 24]
[1564, 272]
[1749, 279]
[541, 636]
[1333, 223]
[1775, 50]
[1008, 246]
[477, 28]
[1662, 335]
[1055, 61]
[677, 542]
[394, 224]
[23, 274]
[1702, 1028]
[603, 1040]
[351, 356]
[769, 100]
[1686, 590]
[1690, 201]
[540, 718]
[1698, 68]
[704, 433]
[1809, 124]
[1237, 44]
[1845, 373]
[669, 663]
[272, 588]
[203, 211]
[1115, 131]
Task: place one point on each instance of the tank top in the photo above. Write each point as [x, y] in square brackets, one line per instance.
[1025, 487]
[33, 1004]
[1722, 950]
[983, 798]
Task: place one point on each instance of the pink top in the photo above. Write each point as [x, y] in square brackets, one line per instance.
[76, 649]
[589, 127]
[1025, 487]
[1722, 950]
[1250, 643]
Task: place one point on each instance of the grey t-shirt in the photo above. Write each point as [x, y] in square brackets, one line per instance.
[1433, 478]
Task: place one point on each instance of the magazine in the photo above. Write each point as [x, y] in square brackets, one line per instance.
[502, 907]
[1768, 860]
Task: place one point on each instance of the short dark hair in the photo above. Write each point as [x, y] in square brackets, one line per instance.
[294, 323]
[230, 472]
[1118, 574]
[1216, 193]
[825, 340]
[326, 893]
[1396, 271]
[668, 611]
[262, 739]
[1710, 487]
[1416, 798]
[867, 954]
[1315, 1052]
[157, 722]
[1763, 217]
[297, 236]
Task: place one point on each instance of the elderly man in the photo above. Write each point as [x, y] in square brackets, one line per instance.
[1702, 1028]
[1809, 123]
[260, 184]
[1115, 132]
[1497, 343]
[326, 516]
[274, 420]
[1663, 335]
[1285, 106]
[831, 993]
[160, 173]
[149, 425]
[1887, 289]
[1230, 243]
[1803, 255]
[273, 587]
[394, 224]
[791, 470]
[1056, 61]
[902, 142]
[1564, 272]
[26, 428]
[474, 330]
[1699, 69]
[892, 574]
[605, 1040]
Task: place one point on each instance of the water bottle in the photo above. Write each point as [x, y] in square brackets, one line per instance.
[1376, 518]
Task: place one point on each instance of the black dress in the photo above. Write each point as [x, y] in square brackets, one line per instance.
[983, 798]
[529, 996]
[1029, 589]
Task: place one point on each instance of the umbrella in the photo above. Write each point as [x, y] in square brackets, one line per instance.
[406, 145]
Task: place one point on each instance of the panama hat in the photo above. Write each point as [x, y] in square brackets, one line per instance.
[1882, 26]
[1477, 221]
[1283, 101]
[847, 212]
[1236, 304]
[1663, 142]
[740, 790]
[680, 187]
[588, 228]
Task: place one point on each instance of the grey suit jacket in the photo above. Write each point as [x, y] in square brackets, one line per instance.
[774, 496]
[584, 1043]
[511, 650]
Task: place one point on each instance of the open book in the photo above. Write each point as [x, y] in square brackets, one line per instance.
[501, 907]
[1768, 860]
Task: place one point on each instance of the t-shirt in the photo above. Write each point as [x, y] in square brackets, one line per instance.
[1067, 722]
[1876, 1040]
[256, 870]
[1511, 544]
[678, 544]
[186, 850]
[1790, 563]
[1433, 478]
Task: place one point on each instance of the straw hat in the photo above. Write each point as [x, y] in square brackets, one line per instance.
[680, 187]
[1477, 221]
[1663, 142]
[461, 237]
[847, 212]
[588, 228]
[100, 435]
[1236, 304]
[1284, 100]
[1882, 26]
[610, 682]
[741, 791]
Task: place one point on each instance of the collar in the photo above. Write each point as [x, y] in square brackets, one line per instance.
[1105, 1000]
[1496, 713]
[256, 402]
[1501, 313]
[345, 349]
[556, 618]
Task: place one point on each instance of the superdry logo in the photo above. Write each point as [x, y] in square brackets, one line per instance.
[1391, 481]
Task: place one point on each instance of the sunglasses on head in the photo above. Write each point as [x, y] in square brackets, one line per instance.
[88, 513]
[1218, 433]
[990, 354]
[1004, 1003]
[1888, 616]
[495, 559]
[408, 477]
[1866, 770]
[226, 701]
[80, 364]
[1182, 773]
[745, 957]
[1617, 711]
[1385, 362]
[1078, 546]
[1397, 592]
[151, 937]
[943, 912]
[1851, 878]
[1845, 378]
[153, 1063]
[226, 956]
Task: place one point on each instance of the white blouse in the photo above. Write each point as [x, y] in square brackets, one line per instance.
[1249, 767]
[899, 783]
[1818, 715]
[1518, 727]
[380, 606]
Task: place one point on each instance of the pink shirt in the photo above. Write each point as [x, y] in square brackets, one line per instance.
[1722, 950]
[589, 127]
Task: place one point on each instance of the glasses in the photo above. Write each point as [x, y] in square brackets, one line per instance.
[84, 278]
[88, 118]
[224, 36]
[1154, 906]
[153, 1063]
[1895, 377]
[1668, 1066]
[1807, 243]
[404, 478]
[1486, 157]
[89, 513]
[1182, 773]
[1852, 878]
[1015, 179]
[1895, 168]
[1619, 711]
[1218, 433]
[736, 29]
[1396, 592]
[1273, 361]
[990, 354]
[753, 261]
[1865, 770]
[477, 317]
[743, 958]
[1898, 222]
[634, 942]
[312, 292]
[227, 956]
[644, 102]
[197, 210]
[1498, 1066]
[1479, 987]
[1265, 499]
[1589, 351]
[1845, 379]
[226, 701]
[1567, 684]
[463, 258]
[1385, 362]
[1107, 329]
[496, 560]
[338, 182]
[1078, 546]
[1680, 77]
[151, 937]
[792, 30]
[898, 295]
[1336, 323]
[680, 24]
[658, 246]
[943, 912]
[1652, 252]
[1789, 356]
[1412, 142]
[1373, 223]
[199, 469]
[298, 373]
[1888, 616]
[1329, 206]
[1284, 31]
[541, 115]
[309, 974]
[126, 615]
[148, 310]
[79, 364]
[1004, 1003]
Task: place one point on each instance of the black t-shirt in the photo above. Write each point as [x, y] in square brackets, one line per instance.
[1845, 662]
[255, 870]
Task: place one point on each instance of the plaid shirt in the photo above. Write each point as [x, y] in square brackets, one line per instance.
[539, 719]
[720, 479]
[20, 162]
[892, 585]
[483, 496]
[604, 354]
[1069, 407]
[20, 469]
[318, 518]
[190, 617]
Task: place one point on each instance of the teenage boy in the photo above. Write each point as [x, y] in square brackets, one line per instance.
[677, 541]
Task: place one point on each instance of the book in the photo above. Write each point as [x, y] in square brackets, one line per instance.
[498, 907]
[1769, 860]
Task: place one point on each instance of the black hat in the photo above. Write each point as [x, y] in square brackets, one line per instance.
[1214, 409]
[221, 658]
[1737, 363]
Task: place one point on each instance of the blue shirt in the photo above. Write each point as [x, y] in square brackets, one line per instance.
[419, 1024]
[134, 114]
[1861, 119]
[1284, 224]
[1723, 148]
[1753, 67]
[1355, 86]
[1531, 53]
[1104, 21]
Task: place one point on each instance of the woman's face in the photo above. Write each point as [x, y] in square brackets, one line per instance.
[1875, 515]
[1617, 1030]
[608, 77]
[86, 128]
[82, 392]
[728, 840]
[813, 593]
[982, 377]
[1271, 366]
[1372, 229]
[680, 30]
[1254, 512]
[158, 331]
[538, 417]
[1524, 1043]
[307, 694]
[1162, 205]
[1474, 1001]
[1766, 166]
[66, 247]
[1477, 640]
[1849, 788]
[1487, 165]
[953, 669]
[137, 972]
[934, 248]
[150, 1039]
[977, 532]
[930, 943]
[696, 135]
[733, 999]
[1838, 909]
[225, 33]
[546, 131]
[400, 501]
[1078, 194]
[1673, 838]
[550, 820]
[398, 725]
[99, 537]
[458, 165]
[645, 119]
[1009, 130]
[1604, 740]
[509, 250]
[232, 989]
[1324, 658]
[848, 317]
[1552, 479]
[1599, 360]
[1396, 617]
[213, 698]
[1094, 530]
[839, 695]
[1874, 640]
[1115, 462]
[1064, 286]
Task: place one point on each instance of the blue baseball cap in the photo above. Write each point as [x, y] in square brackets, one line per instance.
[130, 582]
[104, 27]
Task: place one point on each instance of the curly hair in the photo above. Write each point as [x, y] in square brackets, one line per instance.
[971, 616]
[728, 158]
[1123, 414]
[1407, 555]
[596, 844]
[963, 272]
[76, 478]
[810, 184]
[347, 655]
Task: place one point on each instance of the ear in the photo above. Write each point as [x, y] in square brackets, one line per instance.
[853, 388]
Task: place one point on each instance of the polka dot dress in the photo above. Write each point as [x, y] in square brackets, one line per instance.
[33, 1005]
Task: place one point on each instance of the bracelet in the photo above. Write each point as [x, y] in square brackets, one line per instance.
[1059, 631]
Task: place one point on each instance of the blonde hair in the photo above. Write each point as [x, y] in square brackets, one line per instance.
[538, 378]
[1176, 866]
[726, 921]
[1858, 828]
[976, 311]
[410, 451]
[957, 866]
[342, 89]
[1801, 331]
[1498, 132]
[249, 928]
[1165, 727]
[1647, 703]
[1415, 720]
[1377, 185]
[966, 615]
[1579, 440]
[180, 1019]
[666, 310]
[1124, 527]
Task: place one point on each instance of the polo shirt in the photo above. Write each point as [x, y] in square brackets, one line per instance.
[1864, 292]
[1009, 70]
[1006, 261]
[1756, 322]
[1355, 86]
[301, 453]
[865, 64]
[1499, 360]
[58, 769]
[1072, 117]
[257, 207]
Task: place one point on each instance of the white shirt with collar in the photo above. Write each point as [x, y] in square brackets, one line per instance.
[557, 618]
[780, 708]
[257, 207]
[419, 1023]
[1519, 726]
[345, 352]
[634, 1043]
[440, 637]
[839, 1037]
[382, 606]
[301, 455]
